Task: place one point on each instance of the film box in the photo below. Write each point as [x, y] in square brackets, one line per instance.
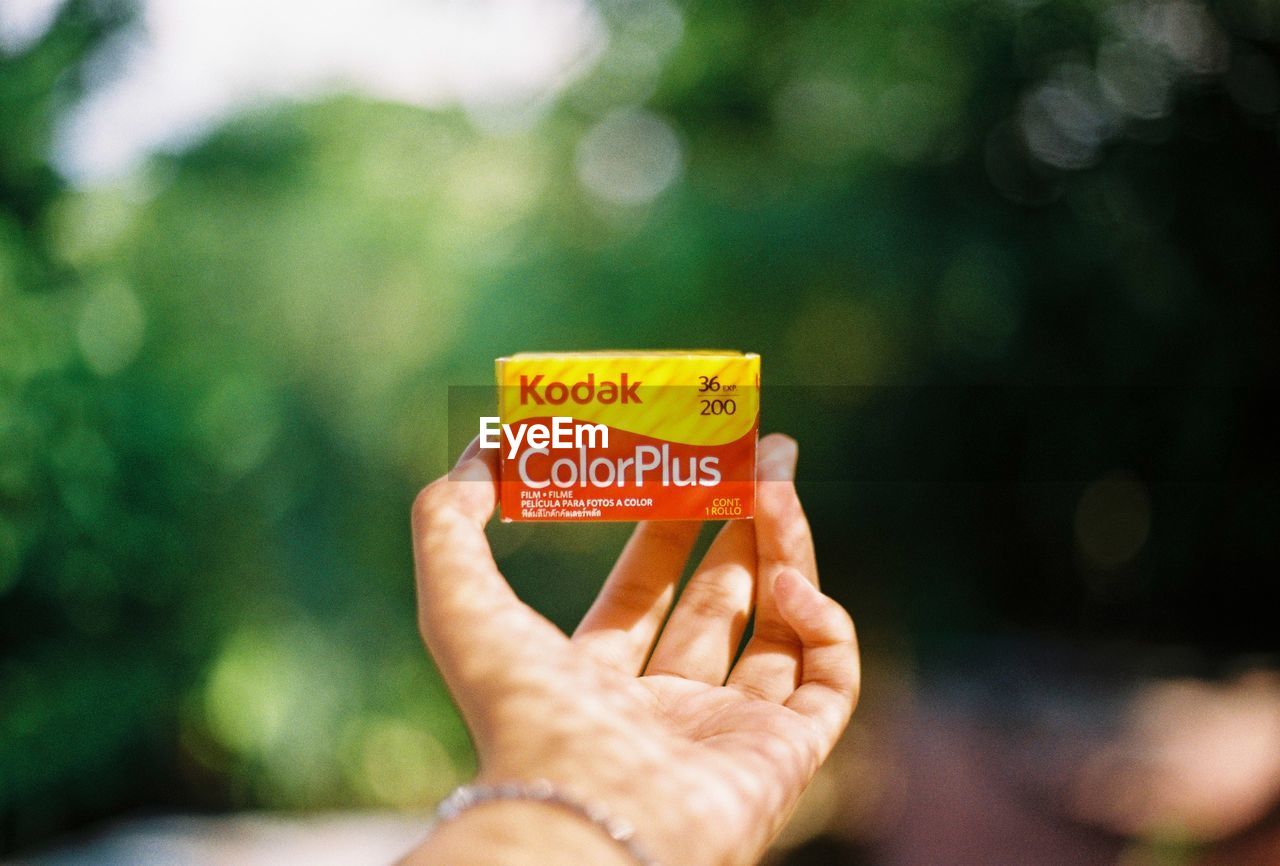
[634, 435]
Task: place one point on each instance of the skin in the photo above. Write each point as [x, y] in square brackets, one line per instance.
[646, 715]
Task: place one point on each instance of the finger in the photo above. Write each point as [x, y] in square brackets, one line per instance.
[783, 539]
[471, 620]
[830, 669]
[770, 663]
[702, 635]
[622, 624]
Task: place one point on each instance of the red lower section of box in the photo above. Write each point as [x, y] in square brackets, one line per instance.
[636, 477]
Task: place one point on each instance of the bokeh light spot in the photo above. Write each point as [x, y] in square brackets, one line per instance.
[838, 341]
[820, 119]
[1135, 79]
[1113, 520]
[404, 765]
[88, 227]
[22, 22]
[1065, 121]
[111, 328]
[629, 157]
[268, 691]
[238, 423]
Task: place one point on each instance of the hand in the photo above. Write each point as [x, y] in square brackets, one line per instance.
[657, 723]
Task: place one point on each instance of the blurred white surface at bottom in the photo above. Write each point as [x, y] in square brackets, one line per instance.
[375, 839]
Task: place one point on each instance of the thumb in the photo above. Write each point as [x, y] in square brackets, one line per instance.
[472, 622]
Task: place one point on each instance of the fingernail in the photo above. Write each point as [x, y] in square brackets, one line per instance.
[472, 449]
[780, 462]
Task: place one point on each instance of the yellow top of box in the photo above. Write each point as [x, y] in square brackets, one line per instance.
[631, 353]
[694, 396]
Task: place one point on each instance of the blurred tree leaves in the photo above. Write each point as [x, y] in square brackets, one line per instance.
[221, 383]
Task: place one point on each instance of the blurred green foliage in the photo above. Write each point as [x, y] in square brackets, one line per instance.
[222, 382]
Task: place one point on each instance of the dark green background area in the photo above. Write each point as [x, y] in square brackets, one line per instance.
[1032, 396]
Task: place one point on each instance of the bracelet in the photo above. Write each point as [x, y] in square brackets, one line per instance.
[542, 791]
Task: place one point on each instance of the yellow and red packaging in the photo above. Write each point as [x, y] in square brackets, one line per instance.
[681, 430]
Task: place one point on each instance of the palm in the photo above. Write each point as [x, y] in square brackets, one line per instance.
[702, 712]
[730, 730]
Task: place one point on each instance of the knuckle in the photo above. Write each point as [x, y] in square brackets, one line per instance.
[793, 548]
[437, 517]
[778, 499]
[428, 500]
[840, 679]
[844, 680]
[712, 598]
[775, 633]
[661, 669]
[439, 532]
[637, 598]
[845, 699]
[753, 690]
[839, 622]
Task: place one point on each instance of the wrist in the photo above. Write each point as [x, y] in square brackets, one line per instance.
[518, 833]
[664, 826]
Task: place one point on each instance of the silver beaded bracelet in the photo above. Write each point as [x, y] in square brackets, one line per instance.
[542, 791]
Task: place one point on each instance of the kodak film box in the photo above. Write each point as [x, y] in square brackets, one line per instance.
[639, 435]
